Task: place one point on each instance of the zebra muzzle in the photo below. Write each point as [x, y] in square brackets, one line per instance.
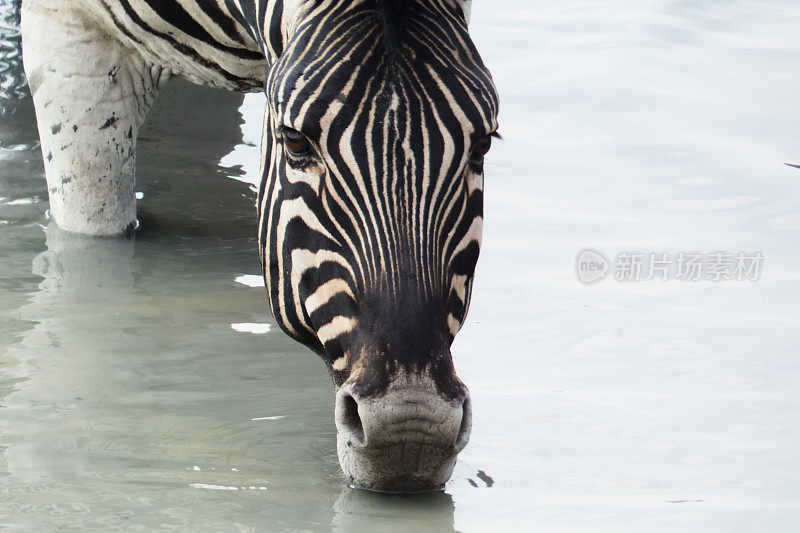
[404, 440]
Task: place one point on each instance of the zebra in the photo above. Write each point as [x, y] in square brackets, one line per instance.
[379, 116]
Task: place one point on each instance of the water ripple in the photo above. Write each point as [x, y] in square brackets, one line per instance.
[13, 85]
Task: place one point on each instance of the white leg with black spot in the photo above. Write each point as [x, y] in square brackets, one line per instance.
[91, 94]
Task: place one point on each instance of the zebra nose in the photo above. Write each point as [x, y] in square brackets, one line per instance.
[405, 416]
[404, 439]
[348, 420]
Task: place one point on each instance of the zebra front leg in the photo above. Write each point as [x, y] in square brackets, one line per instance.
[91, 93]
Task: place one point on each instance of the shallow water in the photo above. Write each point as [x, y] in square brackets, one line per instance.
[142, 387]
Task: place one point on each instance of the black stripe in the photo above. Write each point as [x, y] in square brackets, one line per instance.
[226, 23]
[275, 37]
[174, 14]
[182, 48]
[245, 15]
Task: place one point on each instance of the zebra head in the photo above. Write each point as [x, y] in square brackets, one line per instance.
[379, 115]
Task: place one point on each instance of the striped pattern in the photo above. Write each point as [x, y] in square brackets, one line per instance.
[209, 42]
[379, 229]
[369, 240]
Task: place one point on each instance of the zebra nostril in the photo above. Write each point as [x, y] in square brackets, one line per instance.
[351, 421]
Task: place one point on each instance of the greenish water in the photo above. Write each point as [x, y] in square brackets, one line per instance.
[142, 387]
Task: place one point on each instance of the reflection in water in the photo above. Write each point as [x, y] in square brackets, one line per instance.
[360, 510]
[14, 96]
[88, 376]
[110, 398]
[184, 190]
[13, 86]
[74, 262]
[81, 275]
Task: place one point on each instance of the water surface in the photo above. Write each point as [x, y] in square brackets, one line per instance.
[144, 386]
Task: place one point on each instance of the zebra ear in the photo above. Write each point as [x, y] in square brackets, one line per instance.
[466, 9]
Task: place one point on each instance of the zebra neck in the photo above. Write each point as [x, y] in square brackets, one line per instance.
[271, 22]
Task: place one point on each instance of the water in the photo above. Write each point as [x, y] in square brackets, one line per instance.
[130, 373]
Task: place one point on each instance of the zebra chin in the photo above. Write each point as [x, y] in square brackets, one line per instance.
[404, 439]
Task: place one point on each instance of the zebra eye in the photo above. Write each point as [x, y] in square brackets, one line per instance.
[295, 142]
[481, 147]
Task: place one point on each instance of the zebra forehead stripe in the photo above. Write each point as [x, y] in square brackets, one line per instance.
[390, 185]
